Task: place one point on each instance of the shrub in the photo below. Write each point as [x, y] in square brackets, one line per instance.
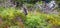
[36, 21]
[9, 16]
[40, 20]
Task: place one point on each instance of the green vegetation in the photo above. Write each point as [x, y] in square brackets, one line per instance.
[38, 20]
[42, 20]
[11, 16]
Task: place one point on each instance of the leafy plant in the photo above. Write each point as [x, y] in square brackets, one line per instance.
[9, 16]
[36, 21]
